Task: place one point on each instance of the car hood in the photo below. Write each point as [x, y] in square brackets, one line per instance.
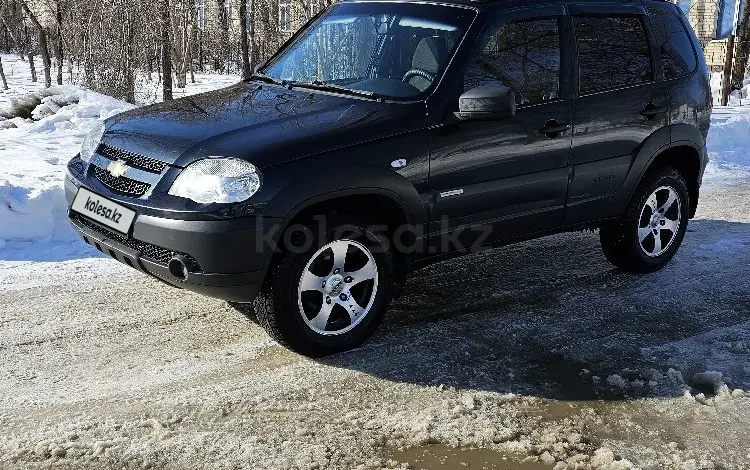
[263, 124]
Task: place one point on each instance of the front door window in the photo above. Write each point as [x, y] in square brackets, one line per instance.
[524, 56]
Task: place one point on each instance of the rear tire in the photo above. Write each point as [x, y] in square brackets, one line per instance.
[651, 230]
[332, 296]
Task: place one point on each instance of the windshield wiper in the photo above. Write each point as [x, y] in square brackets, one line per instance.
[318, 85]
[314, 85]
[262, 77]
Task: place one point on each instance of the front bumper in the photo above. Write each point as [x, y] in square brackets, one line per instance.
[228, 258]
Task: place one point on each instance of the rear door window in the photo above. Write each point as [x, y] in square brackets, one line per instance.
[613, 52]
[677, 53]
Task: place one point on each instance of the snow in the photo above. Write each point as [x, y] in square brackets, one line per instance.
[736, 97]
[34, 153]
[728, 148]
[728, 141]
[91, 379]
[35, 150]
[150, 91]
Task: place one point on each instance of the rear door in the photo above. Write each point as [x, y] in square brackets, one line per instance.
[619, 103]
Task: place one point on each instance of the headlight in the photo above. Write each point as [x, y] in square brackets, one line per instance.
[217, 180]
[91, 142]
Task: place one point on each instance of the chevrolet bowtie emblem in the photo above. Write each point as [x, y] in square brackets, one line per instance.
[117, 168]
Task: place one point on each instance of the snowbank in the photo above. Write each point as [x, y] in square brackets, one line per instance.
[40, 132]
[729, 148]
[737, 97]
[31, 214]
[729, 141]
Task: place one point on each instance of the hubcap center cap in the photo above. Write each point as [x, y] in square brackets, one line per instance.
[335, 285]
[655, 220]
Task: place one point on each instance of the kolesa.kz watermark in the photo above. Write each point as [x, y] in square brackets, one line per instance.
[405, 238]
[97, 208]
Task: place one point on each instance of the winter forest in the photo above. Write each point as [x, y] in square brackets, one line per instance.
[113, 46]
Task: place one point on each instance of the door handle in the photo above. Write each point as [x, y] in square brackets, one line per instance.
[552, 128]
[651, 111]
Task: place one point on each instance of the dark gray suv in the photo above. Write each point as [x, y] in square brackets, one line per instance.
[390, 134]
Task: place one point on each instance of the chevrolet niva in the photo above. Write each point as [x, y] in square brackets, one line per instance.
[385, 135]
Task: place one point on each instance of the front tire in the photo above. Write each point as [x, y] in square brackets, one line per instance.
[653, 226]
[332, 296]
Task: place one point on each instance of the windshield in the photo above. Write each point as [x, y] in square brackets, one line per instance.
[394, 50]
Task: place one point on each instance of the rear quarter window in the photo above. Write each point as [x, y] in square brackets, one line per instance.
[677, 52]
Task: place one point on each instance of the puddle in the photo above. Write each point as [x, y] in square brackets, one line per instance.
[441, 457]
[554, 410]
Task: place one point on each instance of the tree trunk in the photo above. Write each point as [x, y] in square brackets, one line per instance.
[59, 42]
[32, 66]
[15, 35]
[182, 43]
[166, 50]
[130, 59]
[158, 65]
[190, 64]
[253, 42]
[743, 49]
[200, 50]
[2, 75]
[42, 42]
[222, 63]
[726, 85]
[244, 48]
[29, 52]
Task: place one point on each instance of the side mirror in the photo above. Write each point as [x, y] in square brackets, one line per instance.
[258, 67]
[488, 103]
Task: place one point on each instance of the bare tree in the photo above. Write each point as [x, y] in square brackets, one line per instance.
[42, 42]
[183, 21]
[252, 4]
[244, 49]
[129, 26]
[59, 41]
[29, 53]
[2, 75]
[166, 49]
[222, 51]
[12, 20]
[743, 49]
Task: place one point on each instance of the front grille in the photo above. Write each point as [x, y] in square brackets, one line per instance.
[151, 252]
[121, 184]
[133, 159]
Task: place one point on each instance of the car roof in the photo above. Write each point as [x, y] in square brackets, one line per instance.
[509, 3]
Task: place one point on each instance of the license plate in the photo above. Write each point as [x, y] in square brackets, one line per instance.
[103, 210]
